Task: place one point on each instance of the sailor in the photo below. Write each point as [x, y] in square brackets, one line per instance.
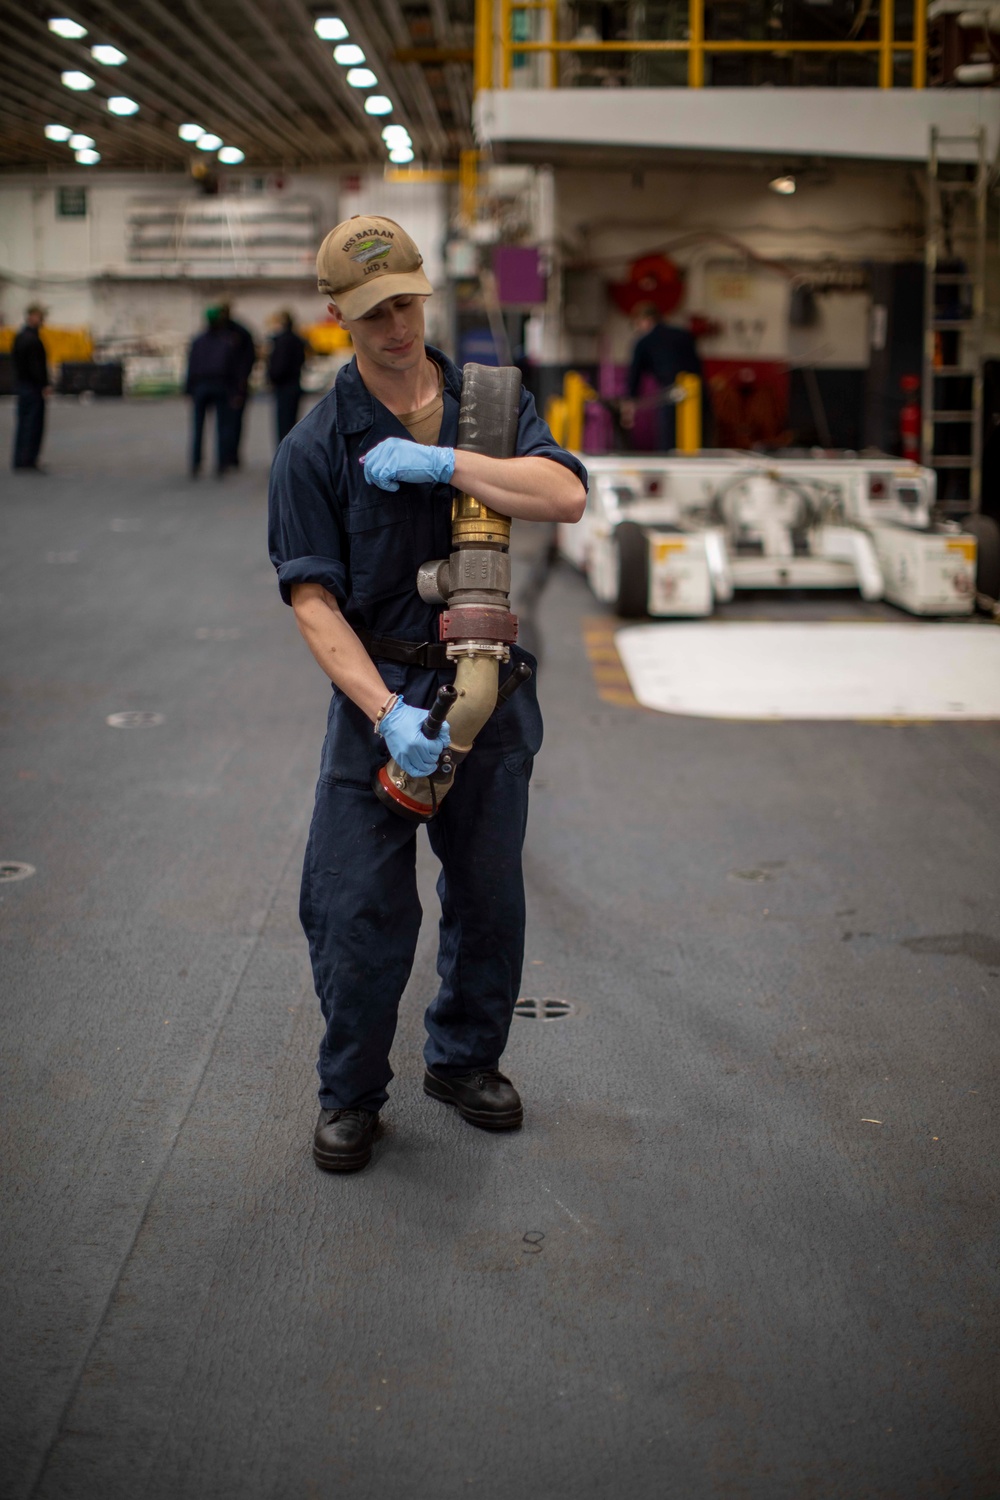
[361, 496]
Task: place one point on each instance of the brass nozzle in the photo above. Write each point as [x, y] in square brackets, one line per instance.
[474, 523]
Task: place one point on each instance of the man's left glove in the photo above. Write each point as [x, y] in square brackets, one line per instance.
[402, 730]
[397, 459]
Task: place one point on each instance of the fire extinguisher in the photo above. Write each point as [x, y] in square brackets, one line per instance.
[910, 418]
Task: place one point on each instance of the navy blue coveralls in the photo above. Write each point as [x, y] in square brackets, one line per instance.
[359, 904]
[210, 379]
[31, 372]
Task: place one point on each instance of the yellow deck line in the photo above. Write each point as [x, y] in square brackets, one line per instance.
[610, 677]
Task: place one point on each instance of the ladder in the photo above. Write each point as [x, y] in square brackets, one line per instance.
[954, 315]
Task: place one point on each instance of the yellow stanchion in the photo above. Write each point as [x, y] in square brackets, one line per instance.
[565, 414]
[577, 393]
[326, 338]
[689, 414]
[556, 412]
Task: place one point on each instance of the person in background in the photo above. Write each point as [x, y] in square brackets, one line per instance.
[211, 377]
[244, 357]
[284, 371]
[660, 354]
[31, 380]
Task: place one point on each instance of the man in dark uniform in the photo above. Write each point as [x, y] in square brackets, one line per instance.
[661, 353]
[210, 381]
[31, 380]
[244, 357]
[360, 497]
[284, 371]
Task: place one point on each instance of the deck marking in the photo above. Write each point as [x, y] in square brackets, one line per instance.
[610, 678]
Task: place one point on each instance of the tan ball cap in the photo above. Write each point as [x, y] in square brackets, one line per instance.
[367, 259]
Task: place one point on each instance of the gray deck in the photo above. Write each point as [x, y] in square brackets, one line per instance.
[697, 1273]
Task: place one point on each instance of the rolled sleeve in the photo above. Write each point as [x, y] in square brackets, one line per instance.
[305, 534]
[534, 440]
[325, 570]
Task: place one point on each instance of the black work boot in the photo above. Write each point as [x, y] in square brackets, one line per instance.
[485, 1098]
[343, 1139]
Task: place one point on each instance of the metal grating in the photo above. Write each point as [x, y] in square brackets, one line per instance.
[547, 1008]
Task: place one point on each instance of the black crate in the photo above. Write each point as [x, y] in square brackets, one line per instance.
[108, 379]
[74, 377]
[78, 376]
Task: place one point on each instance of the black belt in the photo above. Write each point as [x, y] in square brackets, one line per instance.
[432, 654]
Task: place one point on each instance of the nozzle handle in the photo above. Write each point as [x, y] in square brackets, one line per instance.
[520, 674]
[446, 696]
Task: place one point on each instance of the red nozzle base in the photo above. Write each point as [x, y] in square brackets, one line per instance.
[399, 801]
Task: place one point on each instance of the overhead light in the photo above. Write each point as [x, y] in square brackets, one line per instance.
[57, 132]
[75, 80]
[208, 142]
[231, 156]
[88, 158]
[361, 78]
[378, 104]
[395, 135]
[784, 184]
[191, 132]
[401, 154]
[111, 57]
[63, 26]
[81, 142]
[120, 104]
[330, 28]
[348, 55]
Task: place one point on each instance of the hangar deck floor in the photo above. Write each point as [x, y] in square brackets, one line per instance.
[745, 1247]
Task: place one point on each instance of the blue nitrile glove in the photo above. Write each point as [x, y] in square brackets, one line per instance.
[407, 744]
[398, 459]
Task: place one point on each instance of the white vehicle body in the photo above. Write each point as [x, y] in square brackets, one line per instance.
[672, 535]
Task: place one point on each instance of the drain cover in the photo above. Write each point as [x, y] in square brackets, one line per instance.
[13, 869]
[547, 1009]
[134, 719]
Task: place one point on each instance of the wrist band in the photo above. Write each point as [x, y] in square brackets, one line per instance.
[387, 707]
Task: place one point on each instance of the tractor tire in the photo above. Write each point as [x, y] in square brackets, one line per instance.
[632, 601]
[987, 535]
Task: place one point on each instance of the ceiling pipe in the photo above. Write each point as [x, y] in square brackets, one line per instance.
[317, 58]
[150, 98]
[378, 44]
[293, 61]
[78, 104]
[39, 45]
[441, 144]
[197, 100]
[455, 76]
[291, 142]
[15, 129]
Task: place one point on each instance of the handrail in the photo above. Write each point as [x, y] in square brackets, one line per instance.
[488, 42]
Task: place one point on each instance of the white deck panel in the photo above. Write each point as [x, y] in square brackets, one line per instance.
[790, 670]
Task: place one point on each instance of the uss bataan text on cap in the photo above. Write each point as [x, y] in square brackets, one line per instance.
[367, 259]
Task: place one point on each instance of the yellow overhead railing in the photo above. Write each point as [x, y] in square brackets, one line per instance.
[498, 20]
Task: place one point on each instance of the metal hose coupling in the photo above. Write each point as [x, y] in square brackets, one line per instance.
[474, 586]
